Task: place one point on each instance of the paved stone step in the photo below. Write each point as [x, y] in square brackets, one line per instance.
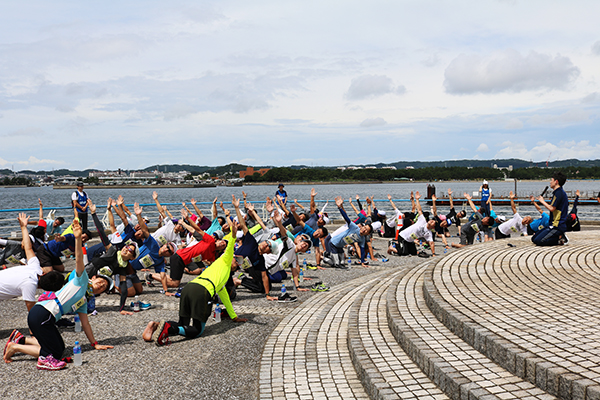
[533, 310]
[456, 368]
[383, 367]
[306, 356]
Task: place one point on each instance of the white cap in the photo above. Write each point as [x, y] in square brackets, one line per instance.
[485, 182]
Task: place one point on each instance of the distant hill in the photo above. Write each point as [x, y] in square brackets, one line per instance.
[235, 168]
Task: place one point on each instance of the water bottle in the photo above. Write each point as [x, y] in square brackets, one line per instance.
[304, 264]
[77, 355]
[283, 289]
[349, 263]
[445, 250]
[301, 275]
[136, 304]
[77, 323]
[217, 313]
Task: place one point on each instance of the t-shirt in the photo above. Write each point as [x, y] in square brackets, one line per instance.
[559, 216]
[166, 233]
[312, 221]
[149, 256]
[347, 234]
[310, 232]
[285, 257]
[65, 248]
[392, 221]
[71, 297]
[513, 225]
[205, 250]
[249, 250]
[214, 226]
[416, 231]
[20, 281]
[453, 217]
[218, 273]
[540, 223]
[474, 226]
[81, 198]
[50, 228]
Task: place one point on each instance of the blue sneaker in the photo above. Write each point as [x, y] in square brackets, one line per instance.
[143, 306]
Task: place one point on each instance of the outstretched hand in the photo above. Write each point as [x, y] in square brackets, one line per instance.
[235, 202]
[154, 195]
[77, 231]
[339, 202]
[137, 209]
[23, 219]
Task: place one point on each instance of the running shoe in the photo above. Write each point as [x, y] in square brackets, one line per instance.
[319, 287]
[286, 298]
[311, 266]
[143, 306]
[161, 334]
[149, 280]
[50, 363]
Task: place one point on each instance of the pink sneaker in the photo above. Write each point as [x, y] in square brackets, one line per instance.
[50, 363]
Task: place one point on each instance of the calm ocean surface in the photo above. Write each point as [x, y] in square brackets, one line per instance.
[13, 198]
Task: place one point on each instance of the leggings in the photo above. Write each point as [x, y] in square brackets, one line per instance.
[43, 327]
[546, 237]
[184, 328]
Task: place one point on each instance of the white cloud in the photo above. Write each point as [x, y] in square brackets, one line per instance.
[596, 48]
[582, 150]
[514, 123]
[366, 86]
[483, 147]
[369, 122]
[30, 162]
[508, 71]
[571, 116]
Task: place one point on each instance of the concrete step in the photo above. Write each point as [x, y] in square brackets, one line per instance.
[533, 310]
[383, 367]
[456, 368]
[306, 356]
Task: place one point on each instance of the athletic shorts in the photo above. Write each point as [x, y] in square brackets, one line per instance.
[195, 302]
[47, 259]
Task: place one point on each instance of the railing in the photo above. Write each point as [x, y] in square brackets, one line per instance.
[10, 227]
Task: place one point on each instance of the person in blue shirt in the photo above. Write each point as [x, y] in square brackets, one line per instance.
[351, 234]
[559, 206]
[540, 223]
[486, 195]
[281, 193]
[47, 343]
[79, 200]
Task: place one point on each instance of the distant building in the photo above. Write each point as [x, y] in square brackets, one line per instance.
[389, 167]
[250, 171]
[409, 167]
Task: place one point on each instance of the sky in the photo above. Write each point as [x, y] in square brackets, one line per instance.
[107, 85]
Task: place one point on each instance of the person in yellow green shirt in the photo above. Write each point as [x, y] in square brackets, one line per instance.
[197, 298]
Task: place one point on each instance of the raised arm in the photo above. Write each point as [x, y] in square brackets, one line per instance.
[277, 218]
[537, 207]
[255, 215]
[188, 223]
[470, 200]
[41, 212]
[215, 213]
[434, 208]
[418, 204]
[78, 232]
[412, 202]
[236, 205]
[120, 211]
[281, 203]
[198, 212]
[296, 216]
[23, 220]
[389, 196]
[354, 208]
[512, 202]
[339, 202]
[162, 213]
[313, 205]
[111, 217]
[450, 198]
[298, 204]
[123, 206]
[138, 212]
[98, 225]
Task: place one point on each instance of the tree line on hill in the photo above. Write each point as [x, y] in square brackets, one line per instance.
[287, 174]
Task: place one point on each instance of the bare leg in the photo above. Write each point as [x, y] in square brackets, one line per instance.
[150, 328]
[170, 282]
[14, 348]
